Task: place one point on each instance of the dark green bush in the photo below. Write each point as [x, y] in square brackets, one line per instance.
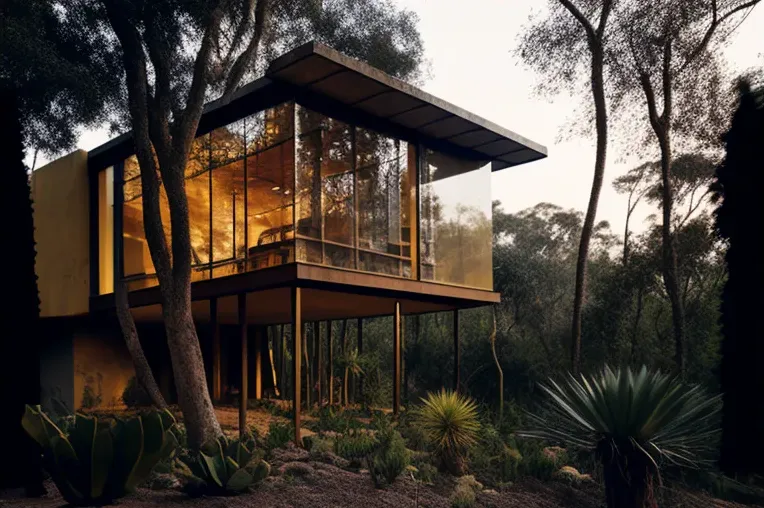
[354, 445]
[279, 434]
[389, 458]
[134, 396]
[333, 420]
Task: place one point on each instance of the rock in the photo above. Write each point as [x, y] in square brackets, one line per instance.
[332, 458]
[571, 475]
[297, 470]
[290, 453]
[554, 453]
[490, 492]
[162, 481]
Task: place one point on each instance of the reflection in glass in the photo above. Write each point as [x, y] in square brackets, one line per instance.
[383, 197]
[456, 221]
[325, 186]
[137, 265]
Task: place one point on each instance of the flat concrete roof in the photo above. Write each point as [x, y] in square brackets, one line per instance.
[323, 71]
[326, 71]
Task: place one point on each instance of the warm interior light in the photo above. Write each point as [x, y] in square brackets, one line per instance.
[286, 191]
[275, 188]
[258, 216]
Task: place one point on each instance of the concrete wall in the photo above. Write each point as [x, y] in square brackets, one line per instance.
[57, 367]
[61, 204]
[102, 368]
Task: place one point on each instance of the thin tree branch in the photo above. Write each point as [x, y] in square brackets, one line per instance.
[250, 53]
[587, 26]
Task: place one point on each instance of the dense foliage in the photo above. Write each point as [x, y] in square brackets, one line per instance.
[739, 217]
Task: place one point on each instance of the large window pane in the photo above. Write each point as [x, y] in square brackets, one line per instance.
[227, 161]
[270, 187]
[456, 221]
[106, 231]
[325, 188]
[383, 196]
[136, 258]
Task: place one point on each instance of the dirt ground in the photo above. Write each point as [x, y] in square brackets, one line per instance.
[329, 486]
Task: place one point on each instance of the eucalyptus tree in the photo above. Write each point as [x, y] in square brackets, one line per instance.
[665, 62]
[173, 57]
[564, 47]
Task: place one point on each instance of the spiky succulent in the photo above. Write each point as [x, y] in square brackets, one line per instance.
[654, 413]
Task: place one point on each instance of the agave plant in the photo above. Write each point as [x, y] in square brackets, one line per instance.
[98, 460]
[450, 424]
[634, 423]
[223, 466]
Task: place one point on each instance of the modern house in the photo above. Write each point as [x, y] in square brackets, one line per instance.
[324, 190]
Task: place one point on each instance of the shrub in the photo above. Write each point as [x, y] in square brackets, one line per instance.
[426, 473]
[389, 458]
[279, 434]
[134, 396]
[354, 445]
[331, 420]
[100, 460]
[631, 421]
[464, 492]
[223, 466]
[450, 424]
[411, 432]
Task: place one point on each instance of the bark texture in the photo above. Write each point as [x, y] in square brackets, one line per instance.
[595, 38]
[143, 373]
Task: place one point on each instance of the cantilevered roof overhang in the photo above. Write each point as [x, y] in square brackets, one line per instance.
[317, 71]
[325, 71]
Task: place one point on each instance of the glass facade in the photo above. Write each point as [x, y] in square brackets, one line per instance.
[456, 221]
[290, 184]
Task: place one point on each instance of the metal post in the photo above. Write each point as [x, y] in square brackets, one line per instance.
[397, 359]
[296, 359]
[457, 350]
[319, 363]
[243, 393]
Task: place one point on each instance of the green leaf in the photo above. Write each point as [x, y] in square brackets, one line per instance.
[240, 481]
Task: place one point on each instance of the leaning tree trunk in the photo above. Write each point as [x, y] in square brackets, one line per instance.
[598, 91]
[143, 373]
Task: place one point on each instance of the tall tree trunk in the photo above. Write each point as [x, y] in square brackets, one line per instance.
[669, 257]
[143, 373]
[598, 92]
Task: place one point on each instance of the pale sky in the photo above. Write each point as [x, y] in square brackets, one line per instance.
[470, 51]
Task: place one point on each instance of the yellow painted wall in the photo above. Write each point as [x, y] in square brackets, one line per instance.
[102, 364]
[60, 193]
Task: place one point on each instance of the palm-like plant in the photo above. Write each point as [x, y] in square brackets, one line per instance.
[634, 422]
[351, 362]
[450, 424]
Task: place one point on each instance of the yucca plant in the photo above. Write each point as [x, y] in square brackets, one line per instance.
[450, 424]
[634, 423]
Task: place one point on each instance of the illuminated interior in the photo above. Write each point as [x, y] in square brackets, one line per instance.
[290, 184]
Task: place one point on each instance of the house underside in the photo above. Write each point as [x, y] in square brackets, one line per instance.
[323, 192]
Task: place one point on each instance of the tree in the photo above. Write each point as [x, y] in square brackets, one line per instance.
[559, 45]
[635, 185]
[44, 99]
[174, 56]
[740, 221]
[663, 51]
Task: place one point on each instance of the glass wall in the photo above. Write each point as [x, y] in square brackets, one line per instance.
[240, 186]
[353, 198]
[456, 221]
[289, 184]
